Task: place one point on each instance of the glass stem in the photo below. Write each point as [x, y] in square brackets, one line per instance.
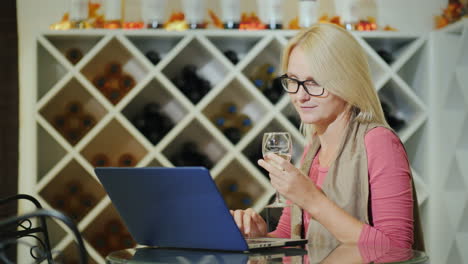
[278, 198]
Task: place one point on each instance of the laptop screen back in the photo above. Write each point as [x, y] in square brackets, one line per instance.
[172, 207]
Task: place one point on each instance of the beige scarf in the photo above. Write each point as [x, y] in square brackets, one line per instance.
[347, 185]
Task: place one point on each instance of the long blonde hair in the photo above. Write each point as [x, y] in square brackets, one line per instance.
[339, 64]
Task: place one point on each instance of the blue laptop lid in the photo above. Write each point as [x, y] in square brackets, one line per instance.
[172, 207]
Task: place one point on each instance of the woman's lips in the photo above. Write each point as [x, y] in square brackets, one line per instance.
[308, 107]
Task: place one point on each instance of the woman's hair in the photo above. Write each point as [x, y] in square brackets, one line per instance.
[339, 64]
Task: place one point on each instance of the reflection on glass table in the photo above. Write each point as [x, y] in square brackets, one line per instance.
[344, 253]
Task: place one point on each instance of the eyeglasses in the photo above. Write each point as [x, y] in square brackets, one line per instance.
[292, 85]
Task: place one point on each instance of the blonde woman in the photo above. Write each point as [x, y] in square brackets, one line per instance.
[355, 183]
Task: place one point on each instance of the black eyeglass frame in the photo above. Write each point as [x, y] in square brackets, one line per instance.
[299, 83]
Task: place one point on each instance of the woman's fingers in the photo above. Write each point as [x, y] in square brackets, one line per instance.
[269, 167]
[238, 217]
[247, 222]
[250, 223]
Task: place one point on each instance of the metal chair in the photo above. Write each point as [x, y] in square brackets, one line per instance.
[14, 229]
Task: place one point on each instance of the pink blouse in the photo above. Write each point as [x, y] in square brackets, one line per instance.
[390, 201]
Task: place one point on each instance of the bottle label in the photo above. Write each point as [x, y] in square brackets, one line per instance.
[153, 10]
[307, 13]
[194, 11]
[78, 10]
[230, 10]
[113, 10]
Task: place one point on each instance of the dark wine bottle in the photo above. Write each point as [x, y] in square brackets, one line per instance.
[232, 56]
[126, 83]
[113, 69]
[234, 134]
[153, 56]
[127, 160]
[74, 55]
[73, 108]
[100, 160]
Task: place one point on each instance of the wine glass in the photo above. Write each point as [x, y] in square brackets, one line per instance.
[279, 143]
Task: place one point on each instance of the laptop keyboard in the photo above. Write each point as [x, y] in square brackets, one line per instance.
[259, 240]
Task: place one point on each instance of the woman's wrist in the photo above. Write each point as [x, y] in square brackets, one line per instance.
[314, 202]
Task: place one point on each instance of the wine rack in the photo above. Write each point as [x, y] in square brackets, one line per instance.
[225, 61]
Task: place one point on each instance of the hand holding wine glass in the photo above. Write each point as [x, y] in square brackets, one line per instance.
[279, 143]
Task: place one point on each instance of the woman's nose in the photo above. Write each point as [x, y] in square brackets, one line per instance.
[302, 95]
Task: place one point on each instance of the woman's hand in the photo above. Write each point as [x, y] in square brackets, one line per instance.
[289, 181]
[250, 223]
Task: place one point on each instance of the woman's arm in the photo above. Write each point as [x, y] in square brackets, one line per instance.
[389, 182]
[299, 189]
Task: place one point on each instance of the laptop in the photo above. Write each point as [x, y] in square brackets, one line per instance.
[177, 207]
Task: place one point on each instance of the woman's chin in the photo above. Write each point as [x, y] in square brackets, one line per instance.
[309, 120]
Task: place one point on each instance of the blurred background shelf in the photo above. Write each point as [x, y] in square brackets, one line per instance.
[180, 84]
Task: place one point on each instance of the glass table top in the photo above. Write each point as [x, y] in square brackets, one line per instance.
[309, 254]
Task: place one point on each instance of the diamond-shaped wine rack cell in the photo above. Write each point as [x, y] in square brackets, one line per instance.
[195, 146]
[114, 70]
[107, 233]
[263, 69]
[154, 111]
[195, 71]
[403, 110]
[235, 49]
[73, 191]
[74, 48]
[155, 49]
[234, 111]
[240, 192]
[73, 112]
[48, 77]
[114, 146]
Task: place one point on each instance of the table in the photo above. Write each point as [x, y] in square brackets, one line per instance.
[309, 254]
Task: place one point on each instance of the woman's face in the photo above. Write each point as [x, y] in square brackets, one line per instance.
[317, 110]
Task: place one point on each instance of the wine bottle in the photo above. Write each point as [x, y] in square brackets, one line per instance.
[194, 11]
[87, 121]
[74, 55]
[100, 82]
[88, 201]
[245, 200]
[386, 56]
[270, 12]
[274, 90]
[113, 69]
[262, 76]
[233, 134]
[231, 14]
[78, 14]
[113, 14]
[153, 56]
[154, 13]
[127, 160]
[114, 226]
[73, 187]
[73, 108]
[232, 56]
[100, 160]
[243, 123]
[59, 123]
[126, 241]
[59, 202]
[228, 185]
[99, 242]
[126, 83]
